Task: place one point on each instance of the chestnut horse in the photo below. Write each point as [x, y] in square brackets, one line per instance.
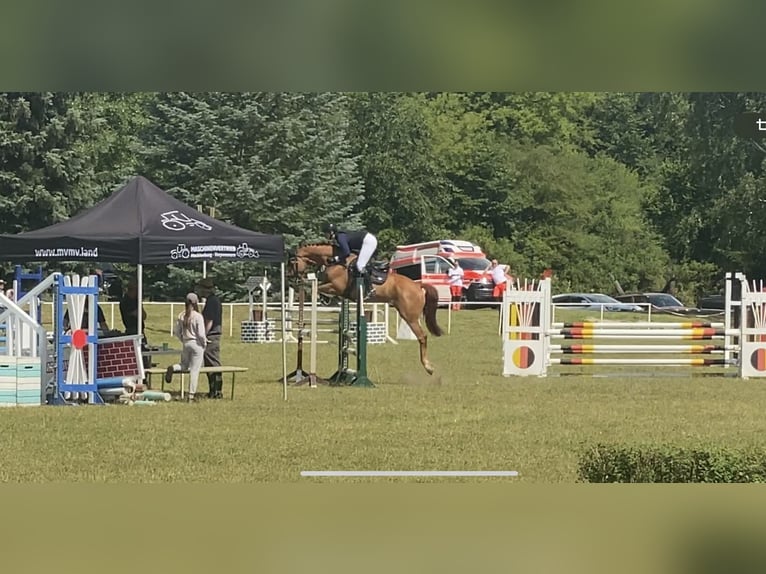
[409, 298]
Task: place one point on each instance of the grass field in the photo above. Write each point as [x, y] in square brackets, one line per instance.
[466, 417]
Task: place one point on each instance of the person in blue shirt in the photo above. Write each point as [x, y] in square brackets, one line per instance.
[361, 242]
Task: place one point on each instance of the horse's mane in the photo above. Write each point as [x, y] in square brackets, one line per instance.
[317, 244]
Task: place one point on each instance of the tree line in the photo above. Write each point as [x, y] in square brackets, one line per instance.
[601, 187]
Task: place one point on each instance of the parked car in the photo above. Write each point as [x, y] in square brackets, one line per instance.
[712, 302]
[592, 302]
[658, 301]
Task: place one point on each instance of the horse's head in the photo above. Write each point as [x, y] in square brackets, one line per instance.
[316, 255]
[294, 267]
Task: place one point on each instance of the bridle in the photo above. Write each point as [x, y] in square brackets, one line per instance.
[293, 265]
[307, 261]
[321, 263]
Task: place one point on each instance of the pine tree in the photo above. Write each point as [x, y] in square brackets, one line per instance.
[274, 163]
[47, 168]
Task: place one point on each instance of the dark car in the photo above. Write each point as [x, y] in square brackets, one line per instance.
[658, 302]
[712, 302]
[480, 290]
[592, 302]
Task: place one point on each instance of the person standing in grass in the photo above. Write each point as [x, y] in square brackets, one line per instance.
[213, 314]
[129, 313]
[190, 330]
[455, 275]
[499, 277]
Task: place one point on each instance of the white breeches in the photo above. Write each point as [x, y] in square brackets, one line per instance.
[192, 358]
[369, 245]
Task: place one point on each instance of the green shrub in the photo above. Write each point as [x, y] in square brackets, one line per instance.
[667, 464]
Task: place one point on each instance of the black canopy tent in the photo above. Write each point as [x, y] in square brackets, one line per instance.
[142, 224]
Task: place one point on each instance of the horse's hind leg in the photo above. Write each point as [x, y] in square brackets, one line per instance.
[423, 340]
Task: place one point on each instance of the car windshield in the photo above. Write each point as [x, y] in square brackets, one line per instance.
[601, 298]
[473, 263]
[664, 300]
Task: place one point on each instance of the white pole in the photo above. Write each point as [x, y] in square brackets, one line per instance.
[727, 315]
[314, 305]
[292, 309]
[264, 318]
[449, 318]
[140, 298]
[284, 335]
[172, 326]
[504, 318]
[231, 319]
[32, 336]
[200, 207]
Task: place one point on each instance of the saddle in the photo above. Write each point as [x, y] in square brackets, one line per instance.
[376, 271]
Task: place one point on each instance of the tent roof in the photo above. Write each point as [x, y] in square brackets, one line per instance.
[141, 223]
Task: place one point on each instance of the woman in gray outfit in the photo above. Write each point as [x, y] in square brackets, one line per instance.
[190, 329]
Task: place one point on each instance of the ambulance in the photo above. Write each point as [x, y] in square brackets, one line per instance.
[428, 263]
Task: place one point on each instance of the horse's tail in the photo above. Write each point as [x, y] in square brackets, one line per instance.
[429, 310]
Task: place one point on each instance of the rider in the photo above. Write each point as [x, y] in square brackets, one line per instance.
[363, 242]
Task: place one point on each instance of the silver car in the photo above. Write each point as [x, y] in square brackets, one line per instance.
[593, 302]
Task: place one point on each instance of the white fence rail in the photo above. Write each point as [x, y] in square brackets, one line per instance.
[647, 312]
[380, 312]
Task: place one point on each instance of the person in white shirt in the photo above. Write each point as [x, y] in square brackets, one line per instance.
[455, 275]
[497, 273]
[190, 330]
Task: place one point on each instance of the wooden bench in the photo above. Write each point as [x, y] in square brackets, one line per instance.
[203, 370]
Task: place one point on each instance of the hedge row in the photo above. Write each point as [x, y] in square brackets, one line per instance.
[666, 464]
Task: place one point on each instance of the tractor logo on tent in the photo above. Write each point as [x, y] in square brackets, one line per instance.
[177, 221]
[180, 252]
[244, 250]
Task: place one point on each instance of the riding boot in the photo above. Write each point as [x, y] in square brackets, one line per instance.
[356, 278]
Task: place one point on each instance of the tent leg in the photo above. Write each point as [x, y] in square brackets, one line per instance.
[140, 298]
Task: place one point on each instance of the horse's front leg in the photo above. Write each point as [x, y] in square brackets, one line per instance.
[327, 289]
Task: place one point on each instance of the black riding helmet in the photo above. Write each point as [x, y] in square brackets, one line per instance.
[329, 228]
